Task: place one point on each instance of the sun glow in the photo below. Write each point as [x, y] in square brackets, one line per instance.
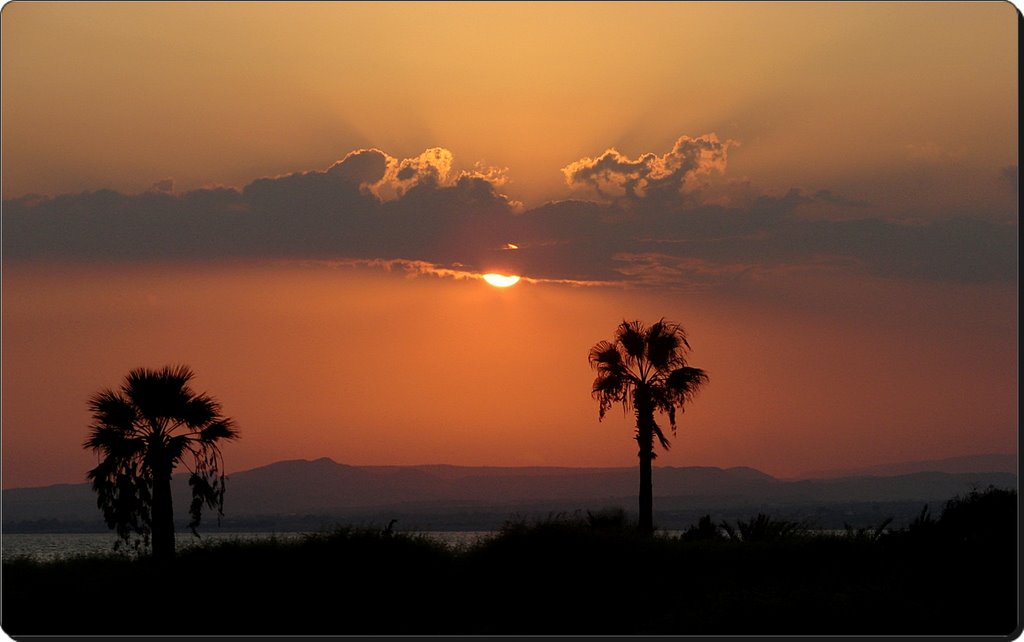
[500, 280]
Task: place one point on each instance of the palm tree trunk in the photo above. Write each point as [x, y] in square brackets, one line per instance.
[645, 439]
[163, 515]
[646, 499]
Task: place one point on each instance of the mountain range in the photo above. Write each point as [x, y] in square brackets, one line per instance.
[991, 463]
[311, 495]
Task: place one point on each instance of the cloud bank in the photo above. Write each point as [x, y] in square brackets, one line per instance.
[651, 220]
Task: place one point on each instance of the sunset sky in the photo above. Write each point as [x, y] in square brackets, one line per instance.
[298, 200]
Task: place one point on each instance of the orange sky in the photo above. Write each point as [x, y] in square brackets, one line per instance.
[846, 96]
[823, 194]
[370, 367]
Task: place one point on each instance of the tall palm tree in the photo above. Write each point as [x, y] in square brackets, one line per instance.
[645, 370]
[141, 433]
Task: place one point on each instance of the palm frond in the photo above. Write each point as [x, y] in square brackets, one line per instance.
[664, 401]
[104, 437]
[111, 409]
[664, 342]
[176, 447]
[610, 389]
[207, 490]
[685, 382]
[200, 410]
[661, 437]
[604, 355]
[630, 335]
[158, 394]
[220, 429]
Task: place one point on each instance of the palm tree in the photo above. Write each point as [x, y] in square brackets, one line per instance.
[141, 433]
[645, 370]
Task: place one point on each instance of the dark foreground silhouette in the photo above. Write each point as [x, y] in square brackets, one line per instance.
[584, 574]
[142, 431]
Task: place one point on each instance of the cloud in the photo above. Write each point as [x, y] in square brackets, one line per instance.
[367, 204]
[431, 168]
[616, 177]
[363, 167]
[164, 185]
[389, 178]
[828, 197]
[696, 274]
[1009, 176]
[457, 271]
[411, 267]
[956, 250]
[379, 210]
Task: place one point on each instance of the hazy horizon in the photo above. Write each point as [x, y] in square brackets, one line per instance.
[300, 201]
[836, 471]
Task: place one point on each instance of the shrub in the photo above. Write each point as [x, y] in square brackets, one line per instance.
[764, 528]
[981, 517]
[703, 530]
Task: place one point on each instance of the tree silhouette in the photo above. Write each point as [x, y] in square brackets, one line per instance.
[645, 370]
[141, 432]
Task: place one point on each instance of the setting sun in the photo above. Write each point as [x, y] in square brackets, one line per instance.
[501, 280]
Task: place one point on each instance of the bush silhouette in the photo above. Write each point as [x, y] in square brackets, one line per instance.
[703, 530]
[568, 574]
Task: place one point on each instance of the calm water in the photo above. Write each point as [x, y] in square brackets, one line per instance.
[52, 546]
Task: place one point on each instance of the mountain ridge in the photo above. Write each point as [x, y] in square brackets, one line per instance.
[984, 462]
[290, 491]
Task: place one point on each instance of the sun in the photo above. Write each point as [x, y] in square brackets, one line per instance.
[500, 280]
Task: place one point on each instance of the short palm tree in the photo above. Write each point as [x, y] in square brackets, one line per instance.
[142, 432]
[645, 370]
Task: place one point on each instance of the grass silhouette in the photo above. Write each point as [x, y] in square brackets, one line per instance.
[586, 574]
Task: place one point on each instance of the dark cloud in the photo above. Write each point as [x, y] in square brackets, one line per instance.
[165, 185]
[1010, 177]
[364, 167]
[370, 206]
[834, 199]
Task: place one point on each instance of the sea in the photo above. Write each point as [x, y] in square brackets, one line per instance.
[57, 546]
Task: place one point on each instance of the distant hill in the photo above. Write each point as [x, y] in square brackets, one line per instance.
[989, 463]
[307, 495]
